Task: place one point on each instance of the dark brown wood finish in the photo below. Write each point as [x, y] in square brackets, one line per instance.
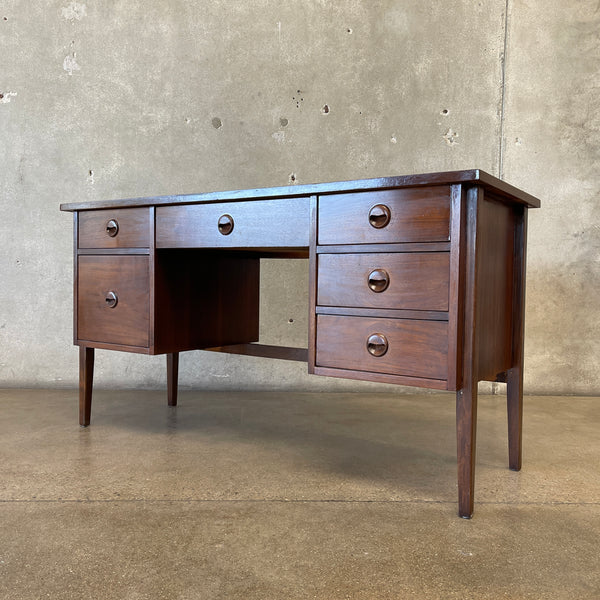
[312, 284]
[113, 346]
[434, 384]
[113, 251]
[514, 376]
[406, 247]
[456, 287]
[417, 215]
[132, 228]
[511, 194]
[495, 225]
[152, 278]
[416, 348]
[391, 313]
[414, 280]
[205, 299]
[265, 223]
[86, 379]
[466, 397]
[172, 376]
[417, 280]
[75, 273]
[127, 277]
[264, 351]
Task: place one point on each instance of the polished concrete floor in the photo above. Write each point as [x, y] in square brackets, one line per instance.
[284, 496]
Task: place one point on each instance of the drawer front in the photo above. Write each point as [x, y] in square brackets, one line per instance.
[412, 280]
[247, 224]
[119, 228]
[391, 216]
[414, 348]
[113, 300]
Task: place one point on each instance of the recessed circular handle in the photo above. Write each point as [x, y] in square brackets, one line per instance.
[112, 227]
[225, 224]
[379, 280]
[377, 344]
[111, 299]
[379, 216]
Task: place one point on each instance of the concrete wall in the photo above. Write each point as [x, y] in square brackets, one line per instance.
[128, 98]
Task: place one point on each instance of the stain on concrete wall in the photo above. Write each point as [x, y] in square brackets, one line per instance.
[107, 100]
[74, 11]
[5, 97]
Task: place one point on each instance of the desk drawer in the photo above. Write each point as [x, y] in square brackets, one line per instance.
[247, 224]
[118, 228]
[410, 348]
[391, 216]
[113, 300]
[412, 280]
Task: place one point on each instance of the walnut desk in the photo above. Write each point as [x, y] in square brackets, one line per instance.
[416, 280]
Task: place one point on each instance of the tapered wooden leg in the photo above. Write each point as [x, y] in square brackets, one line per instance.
[86, 382]
[514, 401]
[466, 427]
[514, 376]
[172, 376]
[466, 397]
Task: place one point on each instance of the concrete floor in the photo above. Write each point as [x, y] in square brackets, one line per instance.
[277, 496]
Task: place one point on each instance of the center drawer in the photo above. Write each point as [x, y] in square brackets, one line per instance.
[248, 224]
[412, 280]
[412, 348]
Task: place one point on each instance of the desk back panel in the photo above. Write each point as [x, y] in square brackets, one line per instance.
[204, 299]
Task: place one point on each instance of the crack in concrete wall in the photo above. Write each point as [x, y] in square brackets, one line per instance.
[503, 91]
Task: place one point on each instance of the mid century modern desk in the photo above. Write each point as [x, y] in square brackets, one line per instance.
[415, 280]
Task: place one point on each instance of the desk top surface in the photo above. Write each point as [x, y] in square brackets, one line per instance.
[474, 176]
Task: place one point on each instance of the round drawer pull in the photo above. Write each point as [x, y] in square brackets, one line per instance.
[379, 280]
[379, 216]
[111, 299]
[377, 344]
[112, 227]
[225, 224]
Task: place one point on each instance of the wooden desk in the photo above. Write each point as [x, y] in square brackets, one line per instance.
[415, 280]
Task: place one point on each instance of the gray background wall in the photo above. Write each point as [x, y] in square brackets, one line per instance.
[128, 98]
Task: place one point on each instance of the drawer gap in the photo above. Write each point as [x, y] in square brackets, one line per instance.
[390, 313]
[112, 251]
[369, 248]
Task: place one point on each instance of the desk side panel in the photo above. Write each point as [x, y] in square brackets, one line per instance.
[496, 226]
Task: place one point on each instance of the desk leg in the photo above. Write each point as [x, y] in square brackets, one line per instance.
[86, 382]
[172, 377]
[466, 427]
[514, 376]
[514, 397]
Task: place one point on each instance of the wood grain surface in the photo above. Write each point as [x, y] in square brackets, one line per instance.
[128, 322]
[133, 228]
[417, 215]
[417, 280]
[416, 348]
